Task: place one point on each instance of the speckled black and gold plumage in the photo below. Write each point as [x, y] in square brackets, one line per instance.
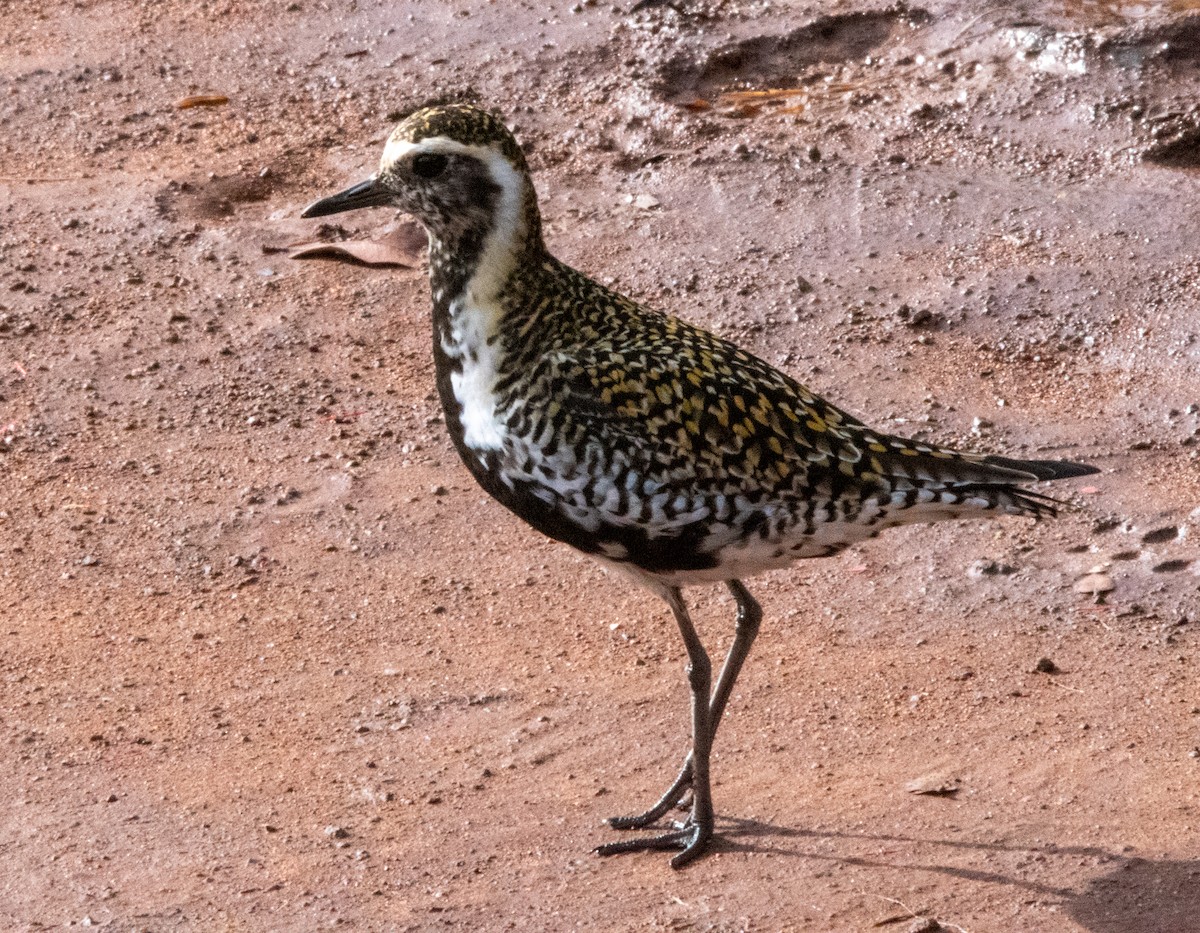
[634, 436]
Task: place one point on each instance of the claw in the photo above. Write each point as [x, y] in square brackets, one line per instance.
[675, 793]
[691, 838]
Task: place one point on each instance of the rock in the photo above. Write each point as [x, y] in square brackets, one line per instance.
[1093, 584]
[1046, 666]
[980, 425]
[921, 317]
[989, 568]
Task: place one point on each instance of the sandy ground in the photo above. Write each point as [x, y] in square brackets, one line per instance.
[272, 662]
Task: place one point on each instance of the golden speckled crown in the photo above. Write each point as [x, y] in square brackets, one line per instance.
[462, 123]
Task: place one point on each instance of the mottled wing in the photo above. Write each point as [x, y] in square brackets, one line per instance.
[709, 417]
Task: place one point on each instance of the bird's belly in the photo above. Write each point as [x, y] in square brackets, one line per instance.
[676, 537]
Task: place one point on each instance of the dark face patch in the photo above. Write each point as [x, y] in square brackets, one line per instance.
[456, 199]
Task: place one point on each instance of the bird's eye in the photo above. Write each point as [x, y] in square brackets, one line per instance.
[429, 164]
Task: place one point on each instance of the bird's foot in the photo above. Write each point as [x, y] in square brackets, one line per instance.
[682, 801]
[691, 838]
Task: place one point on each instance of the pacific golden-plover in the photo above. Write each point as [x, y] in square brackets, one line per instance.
[653, 445]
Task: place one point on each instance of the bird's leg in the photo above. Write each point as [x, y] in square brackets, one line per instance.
[693, 835]
[748, 618]
[749, 615]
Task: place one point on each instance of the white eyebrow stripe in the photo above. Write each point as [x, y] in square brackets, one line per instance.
[397, 149]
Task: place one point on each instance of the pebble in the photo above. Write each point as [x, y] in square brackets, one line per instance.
[980, 425]
[989, 568]
[1046, 666]
[1094, 583]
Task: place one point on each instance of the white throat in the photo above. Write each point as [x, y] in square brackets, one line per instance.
[476, 312]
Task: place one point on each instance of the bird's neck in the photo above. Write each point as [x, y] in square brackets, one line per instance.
[474, 264]
[480, 278]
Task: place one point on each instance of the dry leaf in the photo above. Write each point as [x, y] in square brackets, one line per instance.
[937, 784]
[402, 246]
[778, 93]
[203, 100]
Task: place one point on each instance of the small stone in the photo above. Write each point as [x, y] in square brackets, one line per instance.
[337, 832]
[1045, 666]
[989, 568]
[646, 202]
[1093, 584]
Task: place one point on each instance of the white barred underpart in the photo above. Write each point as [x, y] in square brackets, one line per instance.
[475, 314]
[741, 556]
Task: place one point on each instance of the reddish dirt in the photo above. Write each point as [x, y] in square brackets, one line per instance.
[271, 661]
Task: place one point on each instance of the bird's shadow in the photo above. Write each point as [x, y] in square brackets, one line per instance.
[1133, 895]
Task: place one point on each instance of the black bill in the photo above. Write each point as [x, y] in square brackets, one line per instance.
[365, 194]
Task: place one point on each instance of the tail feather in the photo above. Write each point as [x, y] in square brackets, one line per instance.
[1012, 500]
[1043, 469]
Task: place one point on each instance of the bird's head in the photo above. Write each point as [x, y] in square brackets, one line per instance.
[459, 171]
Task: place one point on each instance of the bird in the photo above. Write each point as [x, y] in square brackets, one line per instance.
[660, 449]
